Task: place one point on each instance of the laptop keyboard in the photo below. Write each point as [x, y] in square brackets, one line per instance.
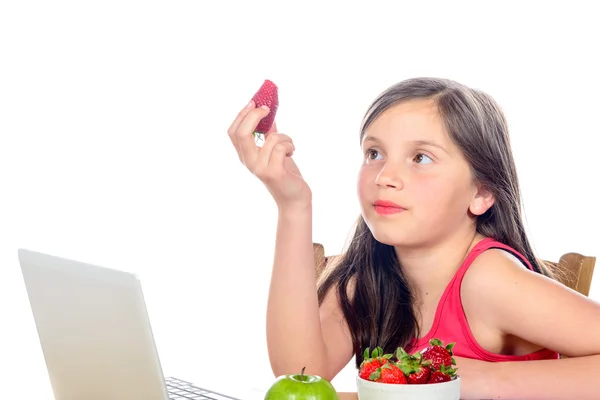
[181, 390]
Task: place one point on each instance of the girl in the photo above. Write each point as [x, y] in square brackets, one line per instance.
[439, 250]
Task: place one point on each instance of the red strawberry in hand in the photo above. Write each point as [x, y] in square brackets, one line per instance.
[416, 370]
[268, 96]
[439, 355]
[389, 373]
[370, 364]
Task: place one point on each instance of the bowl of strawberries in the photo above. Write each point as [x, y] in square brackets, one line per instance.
[427, 375]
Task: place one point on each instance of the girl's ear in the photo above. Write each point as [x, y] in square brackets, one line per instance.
[482, 201]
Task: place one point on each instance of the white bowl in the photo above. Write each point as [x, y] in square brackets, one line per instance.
[369, 390]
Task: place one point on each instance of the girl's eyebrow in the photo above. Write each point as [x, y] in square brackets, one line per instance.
[416, 142]
[371, 138]
[430, 143]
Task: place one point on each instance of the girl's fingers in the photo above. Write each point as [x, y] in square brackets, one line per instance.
[237, 121]
[281, 151]
[244, 135]
[275, 139]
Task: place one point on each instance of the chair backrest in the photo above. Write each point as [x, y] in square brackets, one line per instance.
[578, 269]
[320, 259]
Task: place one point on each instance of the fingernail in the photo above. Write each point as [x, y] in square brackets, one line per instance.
[249, 104]
[264, 107]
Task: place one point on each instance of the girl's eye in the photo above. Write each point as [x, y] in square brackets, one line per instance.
[422, 159]
[372, 154]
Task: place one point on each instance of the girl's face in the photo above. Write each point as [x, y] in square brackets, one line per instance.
[410, 160]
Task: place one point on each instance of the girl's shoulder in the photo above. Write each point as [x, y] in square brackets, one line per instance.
[489, 250]
[495, 283]
[492, 263]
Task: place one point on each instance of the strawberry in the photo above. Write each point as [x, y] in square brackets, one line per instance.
[438, 377]
[370, 364]
[439, 355]
[268, 96]
[416, 370]
[420, 376]
[389, 373]
[445, 374]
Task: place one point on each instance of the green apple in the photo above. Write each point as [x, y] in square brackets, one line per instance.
[301, 387]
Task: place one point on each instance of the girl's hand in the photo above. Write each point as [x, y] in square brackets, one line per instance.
[272, 163]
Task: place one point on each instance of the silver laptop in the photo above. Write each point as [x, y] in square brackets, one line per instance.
[95, 333]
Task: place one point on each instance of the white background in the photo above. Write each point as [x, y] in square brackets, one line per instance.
[113, 119]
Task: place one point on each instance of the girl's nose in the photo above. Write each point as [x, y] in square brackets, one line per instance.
[390, 177]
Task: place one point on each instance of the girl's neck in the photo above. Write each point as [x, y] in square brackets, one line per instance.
[429, 270]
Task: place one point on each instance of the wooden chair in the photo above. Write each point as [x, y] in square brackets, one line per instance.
[577, 269]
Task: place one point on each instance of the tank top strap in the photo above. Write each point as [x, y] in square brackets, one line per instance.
[480, 247]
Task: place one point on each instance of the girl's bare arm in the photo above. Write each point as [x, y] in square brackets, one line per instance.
[299, 333]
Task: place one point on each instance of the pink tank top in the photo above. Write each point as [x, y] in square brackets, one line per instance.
[450, 322]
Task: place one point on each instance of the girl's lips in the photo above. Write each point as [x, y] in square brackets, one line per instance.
[385, 207]
[387, 210]
[386, 203]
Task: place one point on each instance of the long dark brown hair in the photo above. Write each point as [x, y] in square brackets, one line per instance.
[380, 310]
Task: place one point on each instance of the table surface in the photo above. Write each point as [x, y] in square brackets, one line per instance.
[348, 396]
